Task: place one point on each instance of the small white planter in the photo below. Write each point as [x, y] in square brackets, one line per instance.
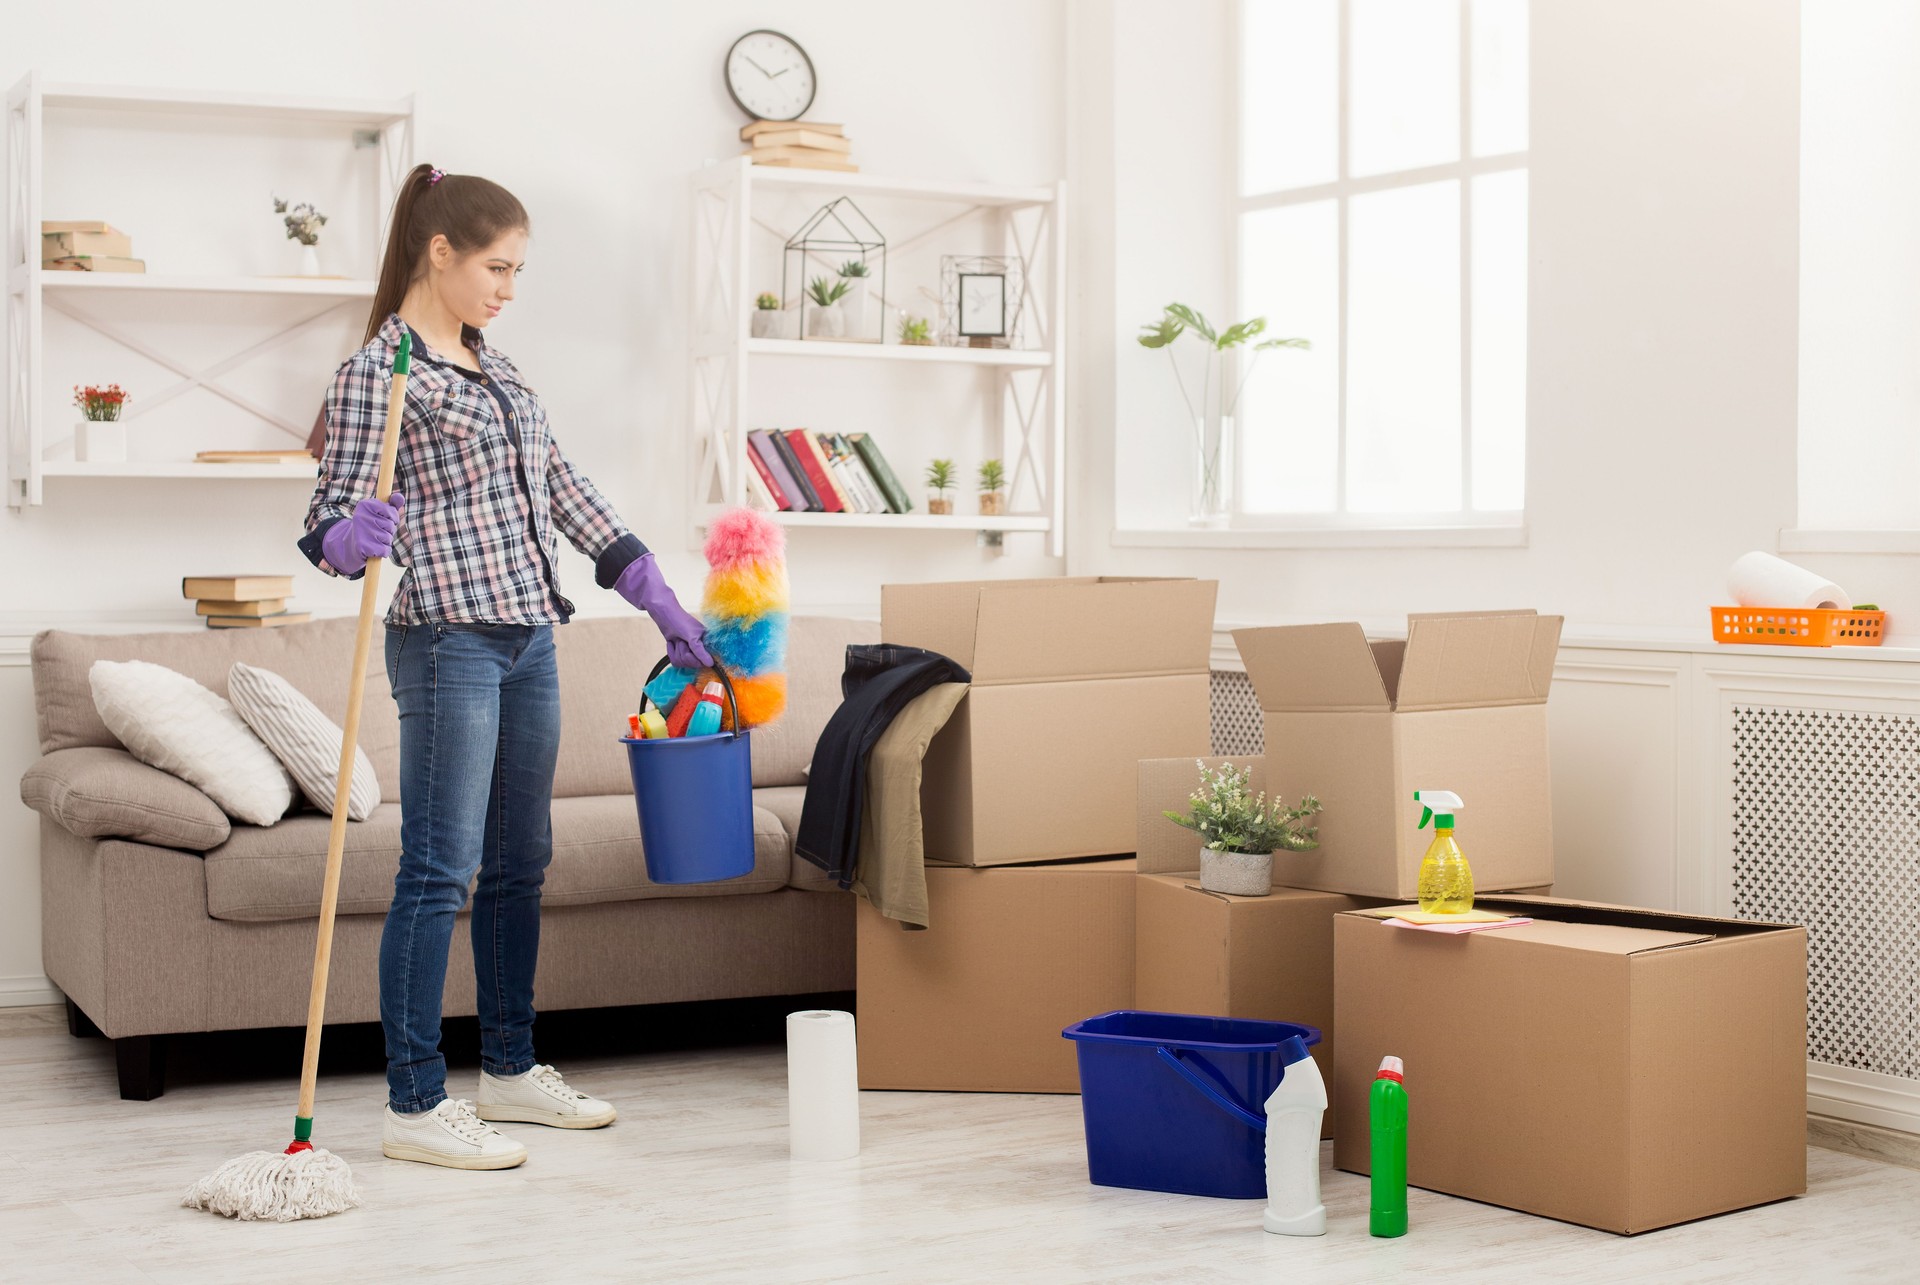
[309, 260]
[1239, 874]
[826, 323]
[771, 323]
[100, 441]
[853, 308]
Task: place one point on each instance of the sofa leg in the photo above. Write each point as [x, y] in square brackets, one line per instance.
[143, 1066]
[79, 1025]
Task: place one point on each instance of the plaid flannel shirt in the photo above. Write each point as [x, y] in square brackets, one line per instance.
[485, 482]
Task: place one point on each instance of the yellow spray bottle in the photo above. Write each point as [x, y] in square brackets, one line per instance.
[1446, 881]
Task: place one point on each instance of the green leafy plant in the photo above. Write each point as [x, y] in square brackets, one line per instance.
[854, 268]
[992, 476]
[767, 302]
[1228, 818]
[916, 330]
[1177, 318]
[303, 222]
[940, 476]
[826, 293]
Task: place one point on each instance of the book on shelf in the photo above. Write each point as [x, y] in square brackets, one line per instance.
[55, 245]
[807, 451]
[95, 225]
[245, 607]
[801, 136]
[810, 161]
[761, 446]
[837, 470]
[300, 456]
[882, 474]
[259, 622]
[758, 494]
[93, 263]
[871, 499]
[802, 492]
[241, 588]
[764, 475]
[753, 129]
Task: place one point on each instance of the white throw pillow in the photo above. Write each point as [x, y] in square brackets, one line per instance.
[302, 738]
[167, 720]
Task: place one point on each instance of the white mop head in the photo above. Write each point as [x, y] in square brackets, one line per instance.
[276, 1187]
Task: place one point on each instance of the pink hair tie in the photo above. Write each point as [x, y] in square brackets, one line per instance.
[435, 176]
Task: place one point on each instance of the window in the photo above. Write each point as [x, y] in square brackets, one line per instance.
[1382, 215]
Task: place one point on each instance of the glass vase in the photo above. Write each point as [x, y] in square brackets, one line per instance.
[1210, 477]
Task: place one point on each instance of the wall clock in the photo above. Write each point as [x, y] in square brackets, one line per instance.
[770, 76]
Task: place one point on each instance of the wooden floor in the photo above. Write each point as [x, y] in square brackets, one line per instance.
[694, 1183]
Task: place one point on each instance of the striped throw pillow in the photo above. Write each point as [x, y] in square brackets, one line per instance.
[302, 738]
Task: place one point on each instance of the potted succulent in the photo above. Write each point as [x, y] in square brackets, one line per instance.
[824, 319]
[853, 275]
[1240, 831]
[939, 484]
[100, 437]
[916, 332]
[303, 225]
[993, 479]
[770, 321]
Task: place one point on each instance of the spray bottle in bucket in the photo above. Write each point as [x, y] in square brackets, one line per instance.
[1294, 1111]
[1387, 1114]
[1446, 880]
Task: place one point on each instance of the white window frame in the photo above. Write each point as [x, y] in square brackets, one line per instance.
[1465, 526]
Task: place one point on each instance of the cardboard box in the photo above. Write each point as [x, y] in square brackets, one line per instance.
[1013, 957]
[1461, 705]
[1623, 1069]
[1075, 680]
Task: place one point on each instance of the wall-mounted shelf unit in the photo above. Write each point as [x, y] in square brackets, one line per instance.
[734, 378]
[381, 128]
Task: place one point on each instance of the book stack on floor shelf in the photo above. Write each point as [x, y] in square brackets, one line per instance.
[798, 470]
[243, 602]
[83, 245]
[799, 144]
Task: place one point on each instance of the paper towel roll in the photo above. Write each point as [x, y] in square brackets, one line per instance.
[823, 1085]
[1762, 580]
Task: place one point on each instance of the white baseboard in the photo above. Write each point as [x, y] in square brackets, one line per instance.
[24, 992]
[1864, 1097]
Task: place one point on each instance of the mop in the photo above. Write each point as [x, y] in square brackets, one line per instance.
[744, 606]
[306, 1181]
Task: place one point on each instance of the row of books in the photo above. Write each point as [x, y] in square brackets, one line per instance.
[243, 602]
[798, 470]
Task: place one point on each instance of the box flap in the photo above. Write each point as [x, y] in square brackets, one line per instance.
[1168, 784]
[1490, 658]
[1313, 667]
[1599, 938]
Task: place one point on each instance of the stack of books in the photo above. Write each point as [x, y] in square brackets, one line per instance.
[300, 455]
[243, 602]
[798, 144]
[797, 470]
[85, 246]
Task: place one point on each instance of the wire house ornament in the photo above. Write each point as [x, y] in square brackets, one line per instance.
[837, 232]
[955, 266]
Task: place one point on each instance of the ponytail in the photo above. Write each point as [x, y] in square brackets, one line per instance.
[471, 212]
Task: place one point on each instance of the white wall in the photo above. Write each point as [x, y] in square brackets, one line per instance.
[594, 115]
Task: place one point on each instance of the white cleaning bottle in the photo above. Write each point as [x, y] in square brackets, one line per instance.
[1293, 1149]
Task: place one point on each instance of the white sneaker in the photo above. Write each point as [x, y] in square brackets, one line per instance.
[541, 1097]
[451, 1135]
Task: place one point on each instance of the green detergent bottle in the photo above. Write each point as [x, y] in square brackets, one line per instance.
[1387, 1215]
[1446, 880]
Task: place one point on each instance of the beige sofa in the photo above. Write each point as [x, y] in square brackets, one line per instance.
[162, 916]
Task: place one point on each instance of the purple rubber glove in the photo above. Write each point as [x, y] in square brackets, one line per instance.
[367, 534]
[642, 585]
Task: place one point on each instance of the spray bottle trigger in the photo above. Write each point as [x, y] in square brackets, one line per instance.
[1426, 815]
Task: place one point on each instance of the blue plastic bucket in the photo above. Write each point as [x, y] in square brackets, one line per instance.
[1175, 1102]
[695, 796]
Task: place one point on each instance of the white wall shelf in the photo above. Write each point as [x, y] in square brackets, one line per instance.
[1023, 405]
[381, 128]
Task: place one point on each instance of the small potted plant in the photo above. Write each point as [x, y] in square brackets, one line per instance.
[939, 487]
[1240, 831]
[303, 225]
[100, 437]
[769, 319]
[916, 332]
[824, 319]
[853, 275]
[993, 498]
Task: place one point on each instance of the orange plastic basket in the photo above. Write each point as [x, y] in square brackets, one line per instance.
[1798, 626]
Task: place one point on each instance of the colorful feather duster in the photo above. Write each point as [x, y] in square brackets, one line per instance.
[745, 606]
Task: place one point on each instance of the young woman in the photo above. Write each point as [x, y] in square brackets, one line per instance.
[480, 490]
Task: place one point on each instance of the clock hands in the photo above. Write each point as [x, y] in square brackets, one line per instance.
[757, 67]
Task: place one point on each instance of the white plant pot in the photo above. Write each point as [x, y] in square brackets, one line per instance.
[826, 323]
[1239, 874]
[769, 323]
[853, 308]
[100, 441]
[309, 260]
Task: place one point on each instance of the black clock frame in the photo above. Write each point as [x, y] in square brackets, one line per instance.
[813, 77]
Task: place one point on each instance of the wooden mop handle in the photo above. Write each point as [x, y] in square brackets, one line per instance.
[349, 740]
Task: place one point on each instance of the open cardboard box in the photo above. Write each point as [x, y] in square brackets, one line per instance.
[1459, 705]
[1623, 1069]
[1075, 680]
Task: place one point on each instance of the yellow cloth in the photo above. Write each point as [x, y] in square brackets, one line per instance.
[891, 871]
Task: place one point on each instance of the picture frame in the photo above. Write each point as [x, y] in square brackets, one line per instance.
[982, 305]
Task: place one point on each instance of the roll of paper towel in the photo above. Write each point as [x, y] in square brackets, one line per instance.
[823, 1085]
[1762, 580]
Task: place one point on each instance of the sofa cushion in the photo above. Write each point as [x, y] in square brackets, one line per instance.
[785, 802]
[314, 657]
[276, 873]
[306, 742]
[96, 792]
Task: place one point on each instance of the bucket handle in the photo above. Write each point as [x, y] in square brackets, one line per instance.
[733, 703]
[1189, 1073]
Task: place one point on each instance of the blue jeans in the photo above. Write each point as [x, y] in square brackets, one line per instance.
[479, 733]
